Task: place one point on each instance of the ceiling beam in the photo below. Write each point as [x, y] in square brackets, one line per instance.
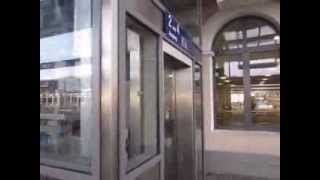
[275, 47]
[252, 39]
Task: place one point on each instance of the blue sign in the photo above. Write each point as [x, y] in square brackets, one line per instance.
[176, 33]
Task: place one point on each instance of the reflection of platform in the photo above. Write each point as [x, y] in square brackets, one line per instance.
[70, 158]
[52, 125]
[54, 129]
[51, 116]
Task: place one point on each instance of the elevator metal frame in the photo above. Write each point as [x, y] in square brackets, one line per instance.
[184, 113]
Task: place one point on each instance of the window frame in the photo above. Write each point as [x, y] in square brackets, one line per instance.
[143, 160]
[244, 54]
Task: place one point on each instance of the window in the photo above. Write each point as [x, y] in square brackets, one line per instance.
[247, 75]
[265, 93]
[229, 94]
[142, 82]
[254, 32]
[66, 84]
[258, 33]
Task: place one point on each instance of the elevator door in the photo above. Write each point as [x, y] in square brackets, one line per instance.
[170, 123]
[179, 125]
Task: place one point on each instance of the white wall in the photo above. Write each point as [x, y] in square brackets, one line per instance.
[249, 153]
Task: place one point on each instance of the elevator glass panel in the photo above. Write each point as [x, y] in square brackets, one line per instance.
[66, 120]
[142, 85]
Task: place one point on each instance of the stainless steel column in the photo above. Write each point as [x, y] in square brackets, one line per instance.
[109, 89]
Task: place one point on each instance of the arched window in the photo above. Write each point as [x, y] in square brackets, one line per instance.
[247, 75]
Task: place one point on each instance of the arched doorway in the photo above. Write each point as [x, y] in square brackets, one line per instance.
[247, 75]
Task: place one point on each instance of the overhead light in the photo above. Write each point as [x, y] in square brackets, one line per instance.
[268, 75]
[276, 38]
[219, 84]
[227, 81]
[223, 77]
[264, 79]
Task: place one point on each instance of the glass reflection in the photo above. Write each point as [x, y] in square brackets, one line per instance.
[65, 84]
[142, 121]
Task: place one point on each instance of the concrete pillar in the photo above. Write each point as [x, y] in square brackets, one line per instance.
[208, 110]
